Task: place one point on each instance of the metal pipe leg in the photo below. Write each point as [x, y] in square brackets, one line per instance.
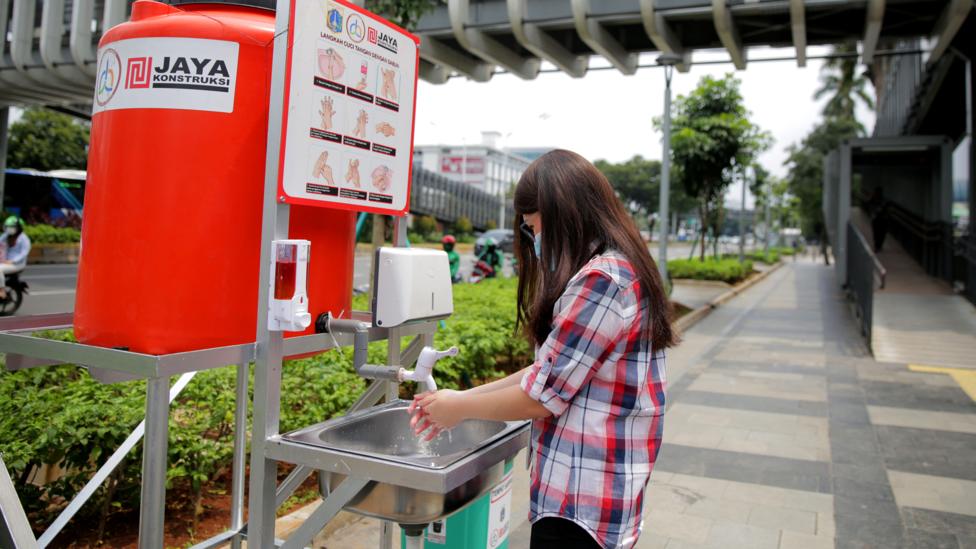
[154, 458]
[240, 455]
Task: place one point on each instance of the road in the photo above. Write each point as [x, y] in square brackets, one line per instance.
[52, 287]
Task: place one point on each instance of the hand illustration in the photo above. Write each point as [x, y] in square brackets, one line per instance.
[382, 178]
[331, 64]
[360, 130]
[327, 111]
[322, 168]
[386, 129]
[363, 70]
[361, 85]
[352, 172]
[388, 88]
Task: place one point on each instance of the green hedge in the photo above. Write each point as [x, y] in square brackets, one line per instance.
[46, 234]
[60, 415]
[725, 270]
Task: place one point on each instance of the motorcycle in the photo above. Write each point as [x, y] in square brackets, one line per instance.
[15, 289]
[481, 271]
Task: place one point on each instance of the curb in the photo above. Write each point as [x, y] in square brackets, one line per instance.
[692, 318]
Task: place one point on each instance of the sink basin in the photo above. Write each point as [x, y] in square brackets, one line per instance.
[412, 481]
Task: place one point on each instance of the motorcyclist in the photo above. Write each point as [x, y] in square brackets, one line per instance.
[452, 257]
[14, 248]
[492, 256]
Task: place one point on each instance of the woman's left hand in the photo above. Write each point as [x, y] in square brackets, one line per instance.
[437, 411]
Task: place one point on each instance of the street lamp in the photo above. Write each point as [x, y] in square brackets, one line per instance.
[668, 61]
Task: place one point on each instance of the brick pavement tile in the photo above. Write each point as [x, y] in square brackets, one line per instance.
[825, 525]
[678, 526]
[962, 526]
[720, 509]
[923, 539]
[923, 451]
[734, 535]
[647, 540]
[682, 544]
[754, 403]
[746, 468]
[718, 383]
[706, 487]
[918, 397]
[780, 518]
[796, 540]
[920, 419]
[862, 531]
[950, 495]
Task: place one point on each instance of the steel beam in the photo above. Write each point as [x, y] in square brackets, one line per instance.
[152, 508]
[433, 73]
[660, 32]
[798, 25]
[728, 33]
[872, 30]
[541, 44]
[484, 46]
[437, 52]
[15, 531]
[947, 26]
[594, 35]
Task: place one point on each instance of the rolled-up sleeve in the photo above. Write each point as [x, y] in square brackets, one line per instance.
[586, 327]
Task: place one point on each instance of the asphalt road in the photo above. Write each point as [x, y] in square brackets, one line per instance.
[52, 287]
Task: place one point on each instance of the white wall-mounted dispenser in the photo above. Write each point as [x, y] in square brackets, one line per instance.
[287, 296]
[411, 284]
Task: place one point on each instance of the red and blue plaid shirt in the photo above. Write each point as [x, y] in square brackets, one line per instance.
[597, 374]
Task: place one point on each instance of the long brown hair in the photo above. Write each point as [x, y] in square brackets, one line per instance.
[581, 218]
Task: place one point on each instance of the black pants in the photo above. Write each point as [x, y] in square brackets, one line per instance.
[557, 533]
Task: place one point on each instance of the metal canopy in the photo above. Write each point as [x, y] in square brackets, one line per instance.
[514, 35]
[47, 47]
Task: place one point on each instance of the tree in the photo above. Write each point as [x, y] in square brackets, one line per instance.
[637, 183]
[805, 164]
[405, 13]
[46, 140]
[712, 140]
[839, 78]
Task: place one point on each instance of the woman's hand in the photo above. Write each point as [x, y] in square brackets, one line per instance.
[436, 411]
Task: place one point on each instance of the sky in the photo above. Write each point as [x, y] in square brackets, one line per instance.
[608, 115]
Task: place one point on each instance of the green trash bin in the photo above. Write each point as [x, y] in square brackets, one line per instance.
[484, 524]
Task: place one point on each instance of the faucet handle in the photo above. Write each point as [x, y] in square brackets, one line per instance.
[452, 351]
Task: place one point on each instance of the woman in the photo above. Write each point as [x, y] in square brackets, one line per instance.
[14, 248]
[592, 302]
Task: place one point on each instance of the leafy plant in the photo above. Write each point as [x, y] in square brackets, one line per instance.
[725, 270]
[46, 234]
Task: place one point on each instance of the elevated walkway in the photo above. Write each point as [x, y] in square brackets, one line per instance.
[917, 318]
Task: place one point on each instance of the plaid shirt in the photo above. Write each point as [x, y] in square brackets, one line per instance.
[597, 374]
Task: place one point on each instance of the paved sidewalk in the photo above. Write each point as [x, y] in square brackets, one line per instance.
[783, 432]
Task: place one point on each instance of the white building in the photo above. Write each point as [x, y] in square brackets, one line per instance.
[483, 166]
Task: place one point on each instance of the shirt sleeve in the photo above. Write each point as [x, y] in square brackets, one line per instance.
[18, 253]
[586, 328]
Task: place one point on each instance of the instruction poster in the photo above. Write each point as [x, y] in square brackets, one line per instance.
[347, 136]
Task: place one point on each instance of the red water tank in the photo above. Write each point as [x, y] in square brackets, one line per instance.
[172, 224]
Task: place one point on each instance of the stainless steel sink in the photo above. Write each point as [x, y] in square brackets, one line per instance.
[412, 482]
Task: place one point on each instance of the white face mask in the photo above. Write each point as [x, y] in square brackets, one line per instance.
[11, 230]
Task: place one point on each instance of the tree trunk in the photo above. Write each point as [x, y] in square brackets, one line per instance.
[113, 483]
[703, 218]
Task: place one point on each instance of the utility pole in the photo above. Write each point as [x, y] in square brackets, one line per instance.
[668, 61]
[769, 219]
[742, 217]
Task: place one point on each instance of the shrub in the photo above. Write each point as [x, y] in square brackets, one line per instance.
[725, 270]
[463, 226]
[46, 234]
[425, 226]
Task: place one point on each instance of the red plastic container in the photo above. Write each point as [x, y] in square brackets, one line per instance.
[171, 236]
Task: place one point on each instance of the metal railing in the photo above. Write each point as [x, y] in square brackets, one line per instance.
[863, 271]
[927, 242]
[964, 265]
[446, 200]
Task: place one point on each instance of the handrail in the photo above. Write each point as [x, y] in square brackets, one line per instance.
[878, 267]
[921, 228]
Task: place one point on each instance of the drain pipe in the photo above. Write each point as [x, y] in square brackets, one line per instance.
[328, 324]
